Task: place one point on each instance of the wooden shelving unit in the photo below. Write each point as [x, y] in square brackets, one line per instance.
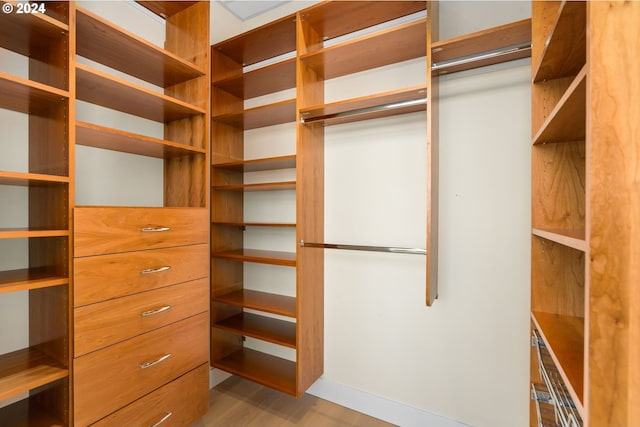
[579, 294]
[302, 51]
[41, 371]
[155, 259]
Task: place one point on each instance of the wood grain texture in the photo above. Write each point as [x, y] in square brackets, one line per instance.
[261, 301]
[107, 380]
[261, 327]
[185, 398]
[269, 79]
[262, 116]
[165, 9]
[614, 200]
[103, 230]
[104, 277]
[24, 370]
[433, 145]
[239, 402]
[287, 259]
[29, 97]
[109, 322]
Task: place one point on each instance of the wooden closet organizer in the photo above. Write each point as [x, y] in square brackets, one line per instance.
[291, 53]
[126, 340]
[584, 266]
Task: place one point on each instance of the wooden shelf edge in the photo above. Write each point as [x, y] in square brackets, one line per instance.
[139, 63]
[572, 238]
[18, 233]
[27, 369]
[287, 259]
[271, 78]
[255, 165]
[254, 224]
[383, 104]
[265, 369]
[574, 97]
[18, 412]
[27, 178]
[265, 115]
[264, 328]
[26, 279]
[265, 186]
[92, 85]
[565, 347]
[165, 9]
[261, 301]
[91, 135]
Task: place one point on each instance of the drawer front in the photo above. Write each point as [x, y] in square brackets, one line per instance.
[177, 404]
[98, 278]
[109, 379]
[104, 230]
[109, 322]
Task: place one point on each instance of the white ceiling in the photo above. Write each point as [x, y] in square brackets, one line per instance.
[246, 9]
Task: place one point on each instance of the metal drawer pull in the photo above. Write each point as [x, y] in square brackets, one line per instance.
[154, 229]
[165, 418]
[155, 270]
[155, 362]
[156, 311]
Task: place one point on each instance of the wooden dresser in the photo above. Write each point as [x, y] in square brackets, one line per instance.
[141, 316]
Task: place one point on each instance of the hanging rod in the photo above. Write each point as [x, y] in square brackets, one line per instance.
[395, 250]
[482, 56]
[365, 110]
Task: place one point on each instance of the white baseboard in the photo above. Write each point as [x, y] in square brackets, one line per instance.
[379, 407]
[366, 403]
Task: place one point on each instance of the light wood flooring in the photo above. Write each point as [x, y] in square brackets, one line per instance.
[237, 402]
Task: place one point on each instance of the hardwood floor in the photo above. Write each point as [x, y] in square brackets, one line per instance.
[237, 402]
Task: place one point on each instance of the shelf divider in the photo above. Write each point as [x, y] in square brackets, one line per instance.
[262, 301]
[27, 279]
[27, 369]
[259, 256]
[263, 328]
[26, 96]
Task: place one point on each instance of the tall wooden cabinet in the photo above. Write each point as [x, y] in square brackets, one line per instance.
[141, 287]
[38, 376]
[585, 366]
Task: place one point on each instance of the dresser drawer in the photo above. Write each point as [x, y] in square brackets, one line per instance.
[177, 404]
[103, 230]
[109, 379]
[109, 322]
[102, 277]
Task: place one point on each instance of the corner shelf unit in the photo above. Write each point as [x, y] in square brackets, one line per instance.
[37, 378]
[579, 295]
[302, 51]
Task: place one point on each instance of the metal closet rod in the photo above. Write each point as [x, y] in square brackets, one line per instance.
[392, 249]
[481, 56]
[365, 110]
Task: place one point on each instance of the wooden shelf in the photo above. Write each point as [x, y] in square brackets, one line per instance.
[255, 224]
[25, 233]
[271, 163]
[567, 120]
[565, 50]
[25, 370]
[572, 238]
[96, 38]
[564, 337]
[258, 117]
[102, 89]
[26, 413]
[271, 371]
[368, 107]
[264, 328]
[165, 9]
[31, 179]
[91, 135]
[27, 279]
[29, 97]
[269, 79]
[334, 19]
[262, 43]
[261, 301]
[385, 47]
[259, 256]
[24, 32]
[503, 36]
[266, 186]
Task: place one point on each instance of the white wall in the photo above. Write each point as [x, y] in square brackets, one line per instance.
[465, 358]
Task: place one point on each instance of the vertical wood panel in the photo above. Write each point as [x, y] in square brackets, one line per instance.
[613, 90]
[432, 159]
